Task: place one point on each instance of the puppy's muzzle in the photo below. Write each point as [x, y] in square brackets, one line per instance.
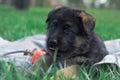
[52, 44]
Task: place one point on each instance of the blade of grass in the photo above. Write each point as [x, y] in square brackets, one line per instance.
[54, 63]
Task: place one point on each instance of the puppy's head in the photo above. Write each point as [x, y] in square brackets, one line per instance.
[68, 29]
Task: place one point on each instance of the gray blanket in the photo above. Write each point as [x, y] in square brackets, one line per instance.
[38, 41]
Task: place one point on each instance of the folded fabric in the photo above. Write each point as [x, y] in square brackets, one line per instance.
[38, 41]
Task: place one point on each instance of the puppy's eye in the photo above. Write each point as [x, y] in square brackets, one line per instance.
[67, 26]
[67, 29]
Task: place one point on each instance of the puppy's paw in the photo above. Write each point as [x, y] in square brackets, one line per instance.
[69, 73]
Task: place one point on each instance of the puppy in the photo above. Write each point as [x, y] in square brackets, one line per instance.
[71, 32]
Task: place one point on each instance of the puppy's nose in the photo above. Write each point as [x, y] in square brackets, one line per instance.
[53, 42]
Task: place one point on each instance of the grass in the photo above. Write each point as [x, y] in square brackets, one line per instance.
[107, 23]
[15, 24]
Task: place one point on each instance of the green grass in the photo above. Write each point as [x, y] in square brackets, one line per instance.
[16, 24]
[107, 23]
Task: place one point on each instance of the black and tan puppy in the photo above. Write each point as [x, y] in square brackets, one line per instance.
[71, 31]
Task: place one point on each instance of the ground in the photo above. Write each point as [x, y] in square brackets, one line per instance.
[16, 24]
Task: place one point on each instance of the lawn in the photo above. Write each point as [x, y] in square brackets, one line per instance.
[15, 24]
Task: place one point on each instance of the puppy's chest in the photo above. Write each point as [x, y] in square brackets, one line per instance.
[74, 60]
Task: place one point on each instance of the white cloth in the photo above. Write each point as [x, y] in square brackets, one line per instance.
[38, 41]
[21, 61]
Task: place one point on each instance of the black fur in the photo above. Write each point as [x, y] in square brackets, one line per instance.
[71, 31]
[74, 36]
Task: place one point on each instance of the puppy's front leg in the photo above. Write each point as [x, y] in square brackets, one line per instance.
[42, 63]
[68, 73]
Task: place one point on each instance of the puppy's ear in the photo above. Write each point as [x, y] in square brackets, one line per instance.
[88, 21]
[51, 13]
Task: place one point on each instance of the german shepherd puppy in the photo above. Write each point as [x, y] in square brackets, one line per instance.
[71, 32]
